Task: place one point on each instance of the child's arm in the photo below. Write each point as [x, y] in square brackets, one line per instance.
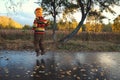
[34, 25]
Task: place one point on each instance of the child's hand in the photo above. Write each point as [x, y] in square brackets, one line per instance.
[45, 21]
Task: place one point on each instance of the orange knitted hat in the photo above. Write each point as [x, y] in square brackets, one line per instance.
[38, 12]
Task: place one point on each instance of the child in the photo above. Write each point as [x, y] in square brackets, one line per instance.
[39, 30]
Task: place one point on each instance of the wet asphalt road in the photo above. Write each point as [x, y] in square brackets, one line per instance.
[24, 65]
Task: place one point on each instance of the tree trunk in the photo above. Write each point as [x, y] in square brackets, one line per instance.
[54, 29]
[54, 23]
[66, 38]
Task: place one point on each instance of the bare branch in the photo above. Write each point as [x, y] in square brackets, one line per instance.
[89, 3]
[82, 6]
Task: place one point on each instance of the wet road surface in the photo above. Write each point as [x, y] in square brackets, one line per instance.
[24, 65]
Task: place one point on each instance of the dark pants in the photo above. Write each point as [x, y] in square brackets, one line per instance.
[38, 42]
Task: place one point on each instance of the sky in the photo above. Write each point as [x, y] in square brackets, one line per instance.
[24, 14]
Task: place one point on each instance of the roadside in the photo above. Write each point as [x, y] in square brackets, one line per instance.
[84, 41]
[78, 45]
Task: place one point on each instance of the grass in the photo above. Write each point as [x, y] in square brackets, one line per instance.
[23, 40]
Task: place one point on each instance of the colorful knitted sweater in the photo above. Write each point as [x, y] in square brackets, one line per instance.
[41, 24]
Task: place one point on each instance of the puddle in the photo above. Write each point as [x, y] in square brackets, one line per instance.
[24, 65]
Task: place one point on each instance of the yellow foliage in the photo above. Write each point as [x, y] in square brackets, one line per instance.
[96, 27]
[67, 25]
[116, 25]
[7, 22]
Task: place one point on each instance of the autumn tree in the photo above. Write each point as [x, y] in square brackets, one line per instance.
[67, 25]
[26, 26]
[94, 21]
[7, 22]
[96, 27]
[85, 6]
[116, 25]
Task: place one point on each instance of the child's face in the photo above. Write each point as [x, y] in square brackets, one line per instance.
[38, 13]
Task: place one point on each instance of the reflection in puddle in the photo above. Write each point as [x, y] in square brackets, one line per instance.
[107, 59]
[39, 70]
[81, 57]
[24, 65]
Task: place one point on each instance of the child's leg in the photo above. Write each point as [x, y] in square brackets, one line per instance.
[36, 43]
[41, 44]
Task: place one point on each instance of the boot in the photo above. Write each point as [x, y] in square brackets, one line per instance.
[37, 53]
[42, 52]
